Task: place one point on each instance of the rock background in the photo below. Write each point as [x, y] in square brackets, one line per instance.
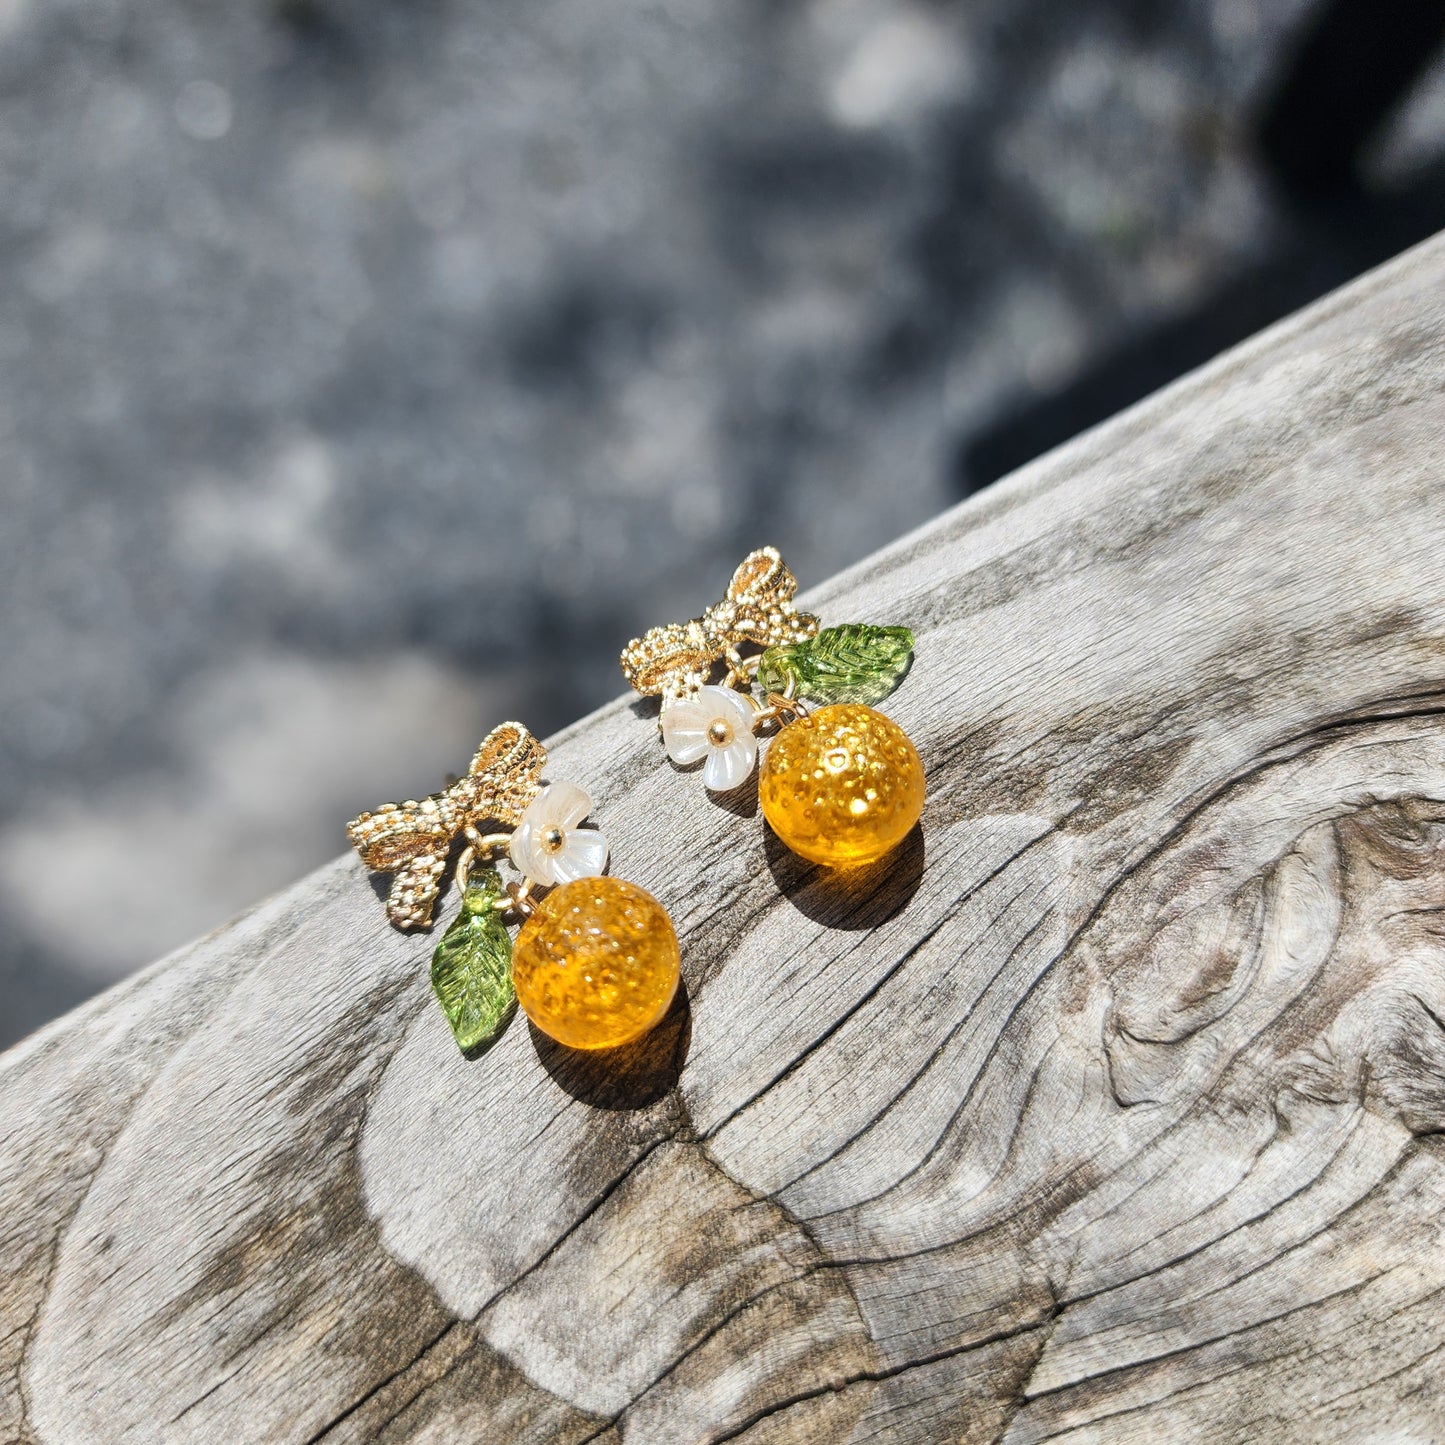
[370, 371]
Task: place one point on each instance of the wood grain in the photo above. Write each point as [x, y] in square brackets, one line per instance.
[1110, 1109]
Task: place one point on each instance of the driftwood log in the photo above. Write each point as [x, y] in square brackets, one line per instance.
[1111, 1109]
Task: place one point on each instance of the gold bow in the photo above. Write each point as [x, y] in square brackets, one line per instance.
[675, 659]
[412, 840]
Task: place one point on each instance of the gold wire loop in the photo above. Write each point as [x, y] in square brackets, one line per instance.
[781, 708]
[741, 670]
[520, 898]
[463, 870]
[515, 897]
[487, 842]
[480, 845]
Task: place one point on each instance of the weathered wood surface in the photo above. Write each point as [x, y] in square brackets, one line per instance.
[1110, 1111]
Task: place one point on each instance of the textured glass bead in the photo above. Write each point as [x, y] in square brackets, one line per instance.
[843, 785]
[596, 965]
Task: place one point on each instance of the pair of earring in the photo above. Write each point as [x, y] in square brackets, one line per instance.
[596, 964]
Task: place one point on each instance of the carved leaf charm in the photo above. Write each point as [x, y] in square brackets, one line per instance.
[471, 969]
[855, 662]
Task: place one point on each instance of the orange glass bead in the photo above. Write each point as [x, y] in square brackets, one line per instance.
[596, 965]
[842, 785]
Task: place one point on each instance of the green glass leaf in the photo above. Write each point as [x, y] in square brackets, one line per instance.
[471, 969]
[852, 663]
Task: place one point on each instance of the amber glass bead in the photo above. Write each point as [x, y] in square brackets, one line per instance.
[596, 965]
[843, 785]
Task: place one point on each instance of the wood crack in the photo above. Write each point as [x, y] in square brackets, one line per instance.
[889, 1372]
[369, 1395]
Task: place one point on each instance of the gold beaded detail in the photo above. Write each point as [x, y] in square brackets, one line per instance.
[674, 660]
[412, 839]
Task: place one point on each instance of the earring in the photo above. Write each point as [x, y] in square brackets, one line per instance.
[596, 961]
[840, 783]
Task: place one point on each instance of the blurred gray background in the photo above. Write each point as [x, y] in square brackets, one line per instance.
[371, 370]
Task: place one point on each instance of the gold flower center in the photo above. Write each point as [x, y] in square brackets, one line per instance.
[552, 840]
[720, 734]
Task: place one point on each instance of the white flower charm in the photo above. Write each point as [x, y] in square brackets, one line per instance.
[715, 723]
[549, 847]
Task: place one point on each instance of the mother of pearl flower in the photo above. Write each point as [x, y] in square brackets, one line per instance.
[715, 723]
[548, 845]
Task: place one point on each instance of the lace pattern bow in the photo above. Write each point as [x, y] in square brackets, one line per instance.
[411, 840]
[673, 661]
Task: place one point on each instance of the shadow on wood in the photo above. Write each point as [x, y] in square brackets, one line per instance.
[632, 1077]
[848, 898]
